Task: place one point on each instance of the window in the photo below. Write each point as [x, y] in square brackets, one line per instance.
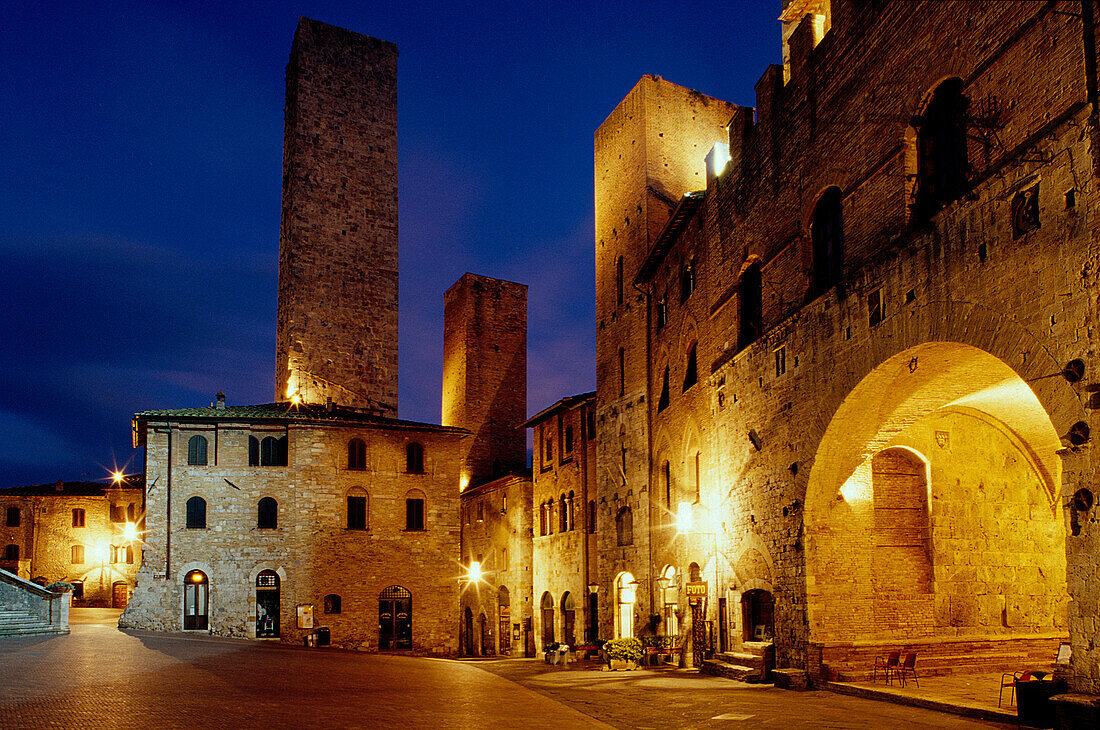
[503, 503]
[196, 451]
[569, 504]
[270, 451]
[622, 372]
[698, 475]
[78, 555]
[874, 307]
[357, 454]
[118, 513]
[196, 513]
[827, 236]
[942, 162]
[548, 507]
[78, 518]
[563, 515]
[752, 307]
[13, 517]
[619, 281]
[414, 511]
[662, 313]
[267, 514]
[414, 458]
[568, 439]
[592, 517]
[11, 552]
[691, 370]
[591, 419]
[625, 588]
[131, 512]
[687, 280]
[357, 509]
[480, 511]
[662, 403]
[128, 554]
[332, 603]
[78, 589]
[624, 527]
[542, 520]
[548, 450]
[666, 475]
[780, 361]
[122, 554]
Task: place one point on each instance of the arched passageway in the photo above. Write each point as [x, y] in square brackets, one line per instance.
[931, 512]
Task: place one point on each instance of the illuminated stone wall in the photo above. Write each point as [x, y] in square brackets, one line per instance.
[311, 549]
[337, 314]
[976, 314]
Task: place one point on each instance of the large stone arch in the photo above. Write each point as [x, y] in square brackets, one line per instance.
[899, 401]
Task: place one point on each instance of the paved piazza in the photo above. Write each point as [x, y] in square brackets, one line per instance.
[101, 677]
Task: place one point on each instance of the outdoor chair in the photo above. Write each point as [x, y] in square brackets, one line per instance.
[908, 667]
[889, 664]
[1009, 679]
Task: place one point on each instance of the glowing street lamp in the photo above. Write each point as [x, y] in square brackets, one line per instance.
[129, 532]
[474, 574]
[117, 477]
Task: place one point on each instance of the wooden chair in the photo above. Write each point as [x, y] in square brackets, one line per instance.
[889, 664]
[908, 667]
[1009, 679]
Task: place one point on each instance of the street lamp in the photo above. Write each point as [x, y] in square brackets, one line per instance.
[474, 573]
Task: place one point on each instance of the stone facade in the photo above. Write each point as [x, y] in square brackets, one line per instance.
[855, 391]
[485, 374]
[314, 545]
[337, 316]
[565, 559]
[75, 532]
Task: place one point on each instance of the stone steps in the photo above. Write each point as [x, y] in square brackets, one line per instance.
[24, 623]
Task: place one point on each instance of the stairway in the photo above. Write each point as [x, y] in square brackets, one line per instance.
[751, 663]
[16, 622]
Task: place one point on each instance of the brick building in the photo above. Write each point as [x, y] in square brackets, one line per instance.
[843, 373]
[82, 533]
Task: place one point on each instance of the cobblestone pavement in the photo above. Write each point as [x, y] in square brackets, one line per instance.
[666, 698]
[101, 677]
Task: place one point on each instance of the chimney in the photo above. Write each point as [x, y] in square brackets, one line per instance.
[60, 486]
[220, 404]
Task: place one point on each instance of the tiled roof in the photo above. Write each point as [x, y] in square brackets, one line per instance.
[73, 489]
[676, 222]
[568, 401]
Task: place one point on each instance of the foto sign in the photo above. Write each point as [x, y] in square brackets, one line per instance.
[696, 589]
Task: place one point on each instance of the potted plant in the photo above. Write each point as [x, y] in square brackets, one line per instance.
[623, 653]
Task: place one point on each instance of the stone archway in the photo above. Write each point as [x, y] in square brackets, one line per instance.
[932, 512]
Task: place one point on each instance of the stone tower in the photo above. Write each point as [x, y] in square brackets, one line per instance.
[649, 152]
[337, 315]
[485, 374]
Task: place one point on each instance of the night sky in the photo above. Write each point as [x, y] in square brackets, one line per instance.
[140, 178]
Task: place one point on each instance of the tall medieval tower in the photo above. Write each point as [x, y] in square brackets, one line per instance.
[649, 152]
[337, 314]
[485, 374]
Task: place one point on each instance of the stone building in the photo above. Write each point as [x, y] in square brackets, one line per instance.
[564, 558]
[81, 533]
[843, 343]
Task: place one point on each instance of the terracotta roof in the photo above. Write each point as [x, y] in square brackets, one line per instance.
[73, 489]
[565, 403]
[676, 222]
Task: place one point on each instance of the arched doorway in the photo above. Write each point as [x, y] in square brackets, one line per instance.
[468, 631]
[196, 597]
[395, 619]
[932, 511]
[486, 635]
[568, 620]
[504, 630]
[267, 605]
[757, 615]
[547, 608]
[624, 600]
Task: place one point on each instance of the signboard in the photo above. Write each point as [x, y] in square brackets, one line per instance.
[697, 588]
[305, 615]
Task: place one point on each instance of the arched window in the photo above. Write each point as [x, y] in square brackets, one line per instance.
[11, 552]
[357, 454]
[751, 324]
[568, 439]
[827, 236]
[624, 598]
[414, 458]
[942, 162]
[663, 402]
[196, 451]
[569, 503]
[267, 514]
[624, 526]
[357, 509]
[78, 555]
[332, 603]
[414, 510]
[619, 281]
[563, 515]
[695, 573]
[271, 451]
[687, 280]
[666, 478]
[196, 513]
[691, 369]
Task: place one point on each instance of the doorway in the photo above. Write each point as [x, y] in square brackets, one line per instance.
[504, 635]
[267, 605]
[568, 620]
[120, 595]
[395, 619]
[196, 590]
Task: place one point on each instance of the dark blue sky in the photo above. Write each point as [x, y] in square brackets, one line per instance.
[140, 163]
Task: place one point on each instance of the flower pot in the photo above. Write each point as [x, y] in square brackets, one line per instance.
[624, 664]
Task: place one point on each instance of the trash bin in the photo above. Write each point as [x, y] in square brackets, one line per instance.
[323, 636]
[1033, 705]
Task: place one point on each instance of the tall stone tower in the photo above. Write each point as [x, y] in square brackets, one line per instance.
[649, 152]
[337, 316]
[485, 374]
